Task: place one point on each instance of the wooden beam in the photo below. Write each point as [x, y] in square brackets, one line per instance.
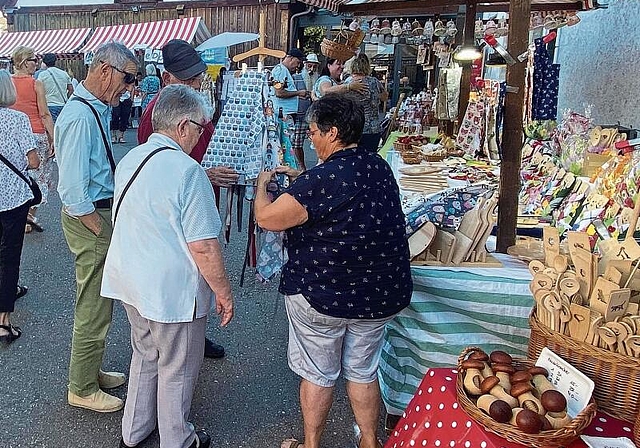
[518, 39]
[427, 7]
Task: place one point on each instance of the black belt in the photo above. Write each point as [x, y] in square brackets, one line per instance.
[103, 203]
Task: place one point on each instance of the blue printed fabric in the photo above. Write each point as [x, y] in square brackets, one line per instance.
[350, 259]
[443, 210]
[546, 82]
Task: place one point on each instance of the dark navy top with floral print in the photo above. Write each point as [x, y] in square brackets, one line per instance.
[351, 258]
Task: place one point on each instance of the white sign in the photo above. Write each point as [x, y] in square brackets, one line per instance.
[571, 382]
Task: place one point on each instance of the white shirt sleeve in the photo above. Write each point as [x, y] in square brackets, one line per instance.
[199, 214]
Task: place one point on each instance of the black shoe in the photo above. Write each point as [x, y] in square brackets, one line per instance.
[21, 291]
[202, 440]
[13, 334]
[212, 350]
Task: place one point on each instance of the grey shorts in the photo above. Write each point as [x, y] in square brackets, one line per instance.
[321, 346]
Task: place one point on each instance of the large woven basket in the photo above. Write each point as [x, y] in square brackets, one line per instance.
[616, 377]
[336, 50]
[547, 439]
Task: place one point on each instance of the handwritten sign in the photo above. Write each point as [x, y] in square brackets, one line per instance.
[606, 442]
[572, 383]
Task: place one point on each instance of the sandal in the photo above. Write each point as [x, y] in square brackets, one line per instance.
[290, 443]
[122, 140]
[8, 338]
[33, 223]
[22, 290]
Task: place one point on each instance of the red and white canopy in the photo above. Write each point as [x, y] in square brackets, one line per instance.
[60, 42]
[151, 35]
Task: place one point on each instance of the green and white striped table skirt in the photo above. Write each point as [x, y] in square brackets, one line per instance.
[451, 309]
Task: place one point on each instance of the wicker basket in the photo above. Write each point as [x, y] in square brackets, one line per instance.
[547, 439]
[616, 377]
[411, 157]
[336, 50]
[401, 147]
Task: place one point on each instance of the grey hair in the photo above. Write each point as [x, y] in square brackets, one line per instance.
[7, 89]
[175, 103]
[150, 69]
[113, 53]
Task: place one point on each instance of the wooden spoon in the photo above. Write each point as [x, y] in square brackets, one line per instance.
[609, 338]
[633, 345]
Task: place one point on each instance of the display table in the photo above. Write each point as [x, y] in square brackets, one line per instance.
[434, 419]
[451, 309]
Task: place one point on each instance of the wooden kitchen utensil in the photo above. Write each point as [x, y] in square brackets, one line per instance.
[580, 321]
[551, 243]
[421, 239]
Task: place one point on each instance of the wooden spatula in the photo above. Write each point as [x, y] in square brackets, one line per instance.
[580, 321]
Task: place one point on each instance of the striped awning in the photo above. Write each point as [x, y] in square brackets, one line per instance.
[152, 35]
[60, 42]
[346, 5]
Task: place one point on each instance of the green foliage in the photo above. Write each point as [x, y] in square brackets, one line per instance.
[312, 37]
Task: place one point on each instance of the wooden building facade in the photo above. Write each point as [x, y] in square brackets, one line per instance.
[218, 15]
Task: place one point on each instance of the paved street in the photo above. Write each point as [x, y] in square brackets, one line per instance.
[248, 399]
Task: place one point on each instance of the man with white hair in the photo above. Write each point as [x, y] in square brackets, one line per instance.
[86, 167]
[164, 200]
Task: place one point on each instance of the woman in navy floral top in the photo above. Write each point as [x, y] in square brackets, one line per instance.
[348, 269]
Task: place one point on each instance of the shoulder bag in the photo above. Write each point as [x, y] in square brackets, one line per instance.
[33, 185]
[112, 162]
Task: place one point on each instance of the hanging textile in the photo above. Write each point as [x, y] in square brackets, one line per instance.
[448, 93]
[546, 82]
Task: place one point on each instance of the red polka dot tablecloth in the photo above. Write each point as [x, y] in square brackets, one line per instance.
[433, 418]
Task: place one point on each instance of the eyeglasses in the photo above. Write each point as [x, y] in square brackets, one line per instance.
[198, 78]
[129, 78]
[311, 133]
[32, 60]
[200, 126]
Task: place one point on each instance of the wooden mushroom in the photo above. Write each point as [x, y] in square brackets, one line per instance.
[558, 422]
[554, 402]
[522, 391]
[497, 409]
[503, 372]
[484, 358]
[526, 420]
[491, 385]
[540, 381]
[472, 376]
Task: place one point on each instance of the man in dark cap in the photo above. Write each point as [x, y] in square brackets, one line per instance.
[183, 65]
[57, 85]
[285, 93]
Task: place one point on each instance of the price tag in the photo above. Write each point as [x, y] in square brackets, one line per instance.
[572, 383]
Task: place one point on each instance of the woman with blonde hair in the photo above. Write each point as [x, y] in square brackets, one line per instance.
[17, 155]
[31, 99]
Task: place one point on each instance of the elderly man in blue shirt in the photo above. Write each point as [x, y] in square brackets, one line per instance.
[86, 170]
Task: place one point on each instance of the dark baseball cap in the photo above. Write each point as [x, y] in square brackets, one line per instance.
[182, 60]
[49, 59]
[294, 52]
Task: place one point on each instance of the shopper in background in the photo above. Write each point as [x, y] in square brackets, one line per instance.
[57, 85]
[348, 271]
[183, 65]
[31, 99]
[371, 99]
[18, 148]
[149, 86]
[330, 80]
[310, 71]
[120, 118]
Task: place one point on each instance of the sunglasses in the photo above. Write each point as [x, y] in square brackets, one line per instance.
[200, 126]
[129, 78]
[32, 60]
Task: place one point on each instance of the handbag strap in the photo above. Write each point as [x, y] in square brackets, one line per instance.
[107, 146]
[15, 170]
[135, 174]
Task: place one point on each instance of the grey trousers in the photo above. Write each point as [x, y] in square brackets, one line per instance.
[164, 370]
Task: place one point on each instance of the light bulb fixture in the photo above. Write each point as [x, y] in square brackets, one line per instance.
[467, 54]
[180, 10]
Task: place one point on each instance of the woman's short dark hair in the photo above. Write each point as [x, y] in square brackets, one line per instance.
[342, 111]
[325, 67]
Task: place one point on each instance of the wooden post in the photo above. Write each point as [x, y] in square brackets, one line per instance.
[468, 41]
[519, 11]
